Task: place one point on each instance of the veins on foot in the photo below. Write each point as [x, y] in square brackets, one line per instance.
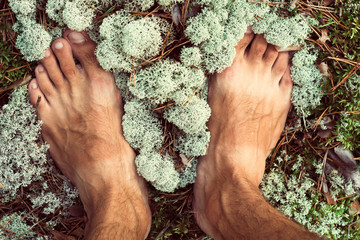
[249, 101]
[81, 110]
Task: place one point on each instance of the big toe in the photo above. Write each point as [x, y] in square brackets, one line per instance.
[83, 49]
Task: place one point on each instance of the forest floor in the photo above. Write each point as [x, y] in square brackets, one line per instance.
[338, 40]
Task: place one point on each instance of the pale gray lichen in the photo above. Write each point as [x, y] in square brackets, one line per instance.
[307, 78]
[283, 32]
[50, 201]
[188, 173]
[33, 41]
[193, 144]
[22, 157]
[166, 81]
[77, 15]
[128, 46]
[127, 41]
[24, 7]
[157, 169]
[138, 5]
[122, 81]
[221, 24]
[54, 9]
[190, 117]
[168, 3]
[190, 56]
[14, 226]
[141, 126]
[141, 38]
[294, 194]
[218, 28]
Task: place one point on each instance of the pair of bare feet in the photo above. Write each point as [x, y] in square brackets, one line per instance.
[81, 110]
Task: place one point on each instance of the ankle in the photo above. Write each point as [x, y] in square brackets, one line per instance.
[226, 200]
[232, 164]
[122, 213]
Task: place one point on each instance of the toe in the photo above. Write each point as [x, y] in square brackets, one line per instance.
[286, 83]
[63, 53]
[83, 49]
[244, 43]
[280, 65]
[37, 98]
[44, 82]
[257, 49]
[270, 55]
[53, 69]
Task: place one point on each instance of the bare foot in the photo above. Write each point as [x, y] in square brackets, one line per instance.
[81, 110]
[250, 101]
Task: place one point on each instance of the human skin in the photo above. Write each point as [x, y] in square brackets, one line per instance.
[81, 109]
[249, 101]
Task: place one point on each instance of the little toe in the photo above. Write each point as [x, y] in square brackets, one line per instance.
[270, 55]
[53, 69]
[83, 49]
[64, 55]
[257, 49]
[44, 82]
[286, 83]
[280, 65]
[244, 43]
[37, 98]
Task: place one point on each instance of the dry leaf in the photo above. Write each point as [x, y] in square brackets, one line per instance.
[324, 69]
[324, 36]
[76, 211]
[328, 196]
[327, 2]
[184, 160]
[176, 14]
[354, 207]
[288, 49]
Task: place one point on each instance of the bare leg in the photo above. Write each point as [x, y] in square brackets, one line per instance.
[81, 110]
[250, 102]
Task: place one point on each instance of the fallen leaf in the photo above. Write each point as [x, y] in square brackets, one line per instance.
[184, 160]
[76, 211]
[176, 14]
[329, 199]
[324, 69]
[288, 49]
[324, 36]
[327, 2]
[354, 207]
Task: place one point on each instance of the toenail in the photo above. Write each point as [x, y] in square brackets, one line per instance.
[59, 45]
[33, 85]
[76, 37]
[41, 69]
[47, 53]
